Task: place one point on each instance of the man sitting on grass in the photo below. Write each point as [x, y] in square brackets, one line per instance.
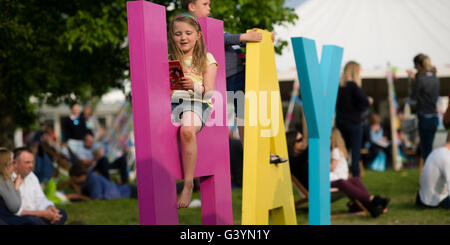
[95, 186]
[435, 179]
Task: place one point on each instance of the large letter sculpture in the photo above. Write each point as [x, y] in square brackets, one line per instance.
[266, 187]
[319, 84]
[157, 152]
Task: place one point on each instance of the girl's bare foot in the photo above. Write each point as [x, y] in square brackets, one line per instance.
[185, 196]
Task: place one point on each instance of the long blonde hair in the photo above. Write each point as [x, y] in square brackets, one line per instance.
[352, 72]
[6, 159]
[425, 62]
[199, 53]
[338, 142]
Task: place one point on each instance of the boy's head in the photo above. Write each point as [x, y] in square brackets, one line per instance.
[78, 174]
[374, 119]
[199, 8]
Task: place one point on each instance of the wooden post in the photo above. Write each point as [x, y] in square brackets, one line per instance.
[392, 115]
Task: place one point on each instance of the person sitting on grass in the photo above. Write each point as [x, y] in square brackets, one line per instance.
[34, 201]
[94, 186]
[10, 199]
[92, 156]
[435, 179]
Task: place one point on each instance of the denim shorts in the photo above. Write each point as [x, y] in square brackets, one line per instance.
[200, 108]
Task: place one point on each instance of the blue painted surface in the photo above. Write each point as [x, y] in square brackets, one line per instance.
[319, 83]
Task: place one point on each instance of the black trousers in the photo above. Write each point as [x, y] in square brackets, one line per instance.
[103, 166]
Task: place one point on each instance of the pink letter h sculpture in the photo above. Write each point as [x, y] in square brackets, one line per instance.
[157, 151]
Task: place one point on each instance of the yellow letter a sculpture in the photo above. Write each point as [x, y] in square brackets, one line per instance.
[267, 188]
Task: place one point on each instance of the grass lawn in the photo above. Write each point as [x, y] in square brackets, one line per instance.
[400, 186]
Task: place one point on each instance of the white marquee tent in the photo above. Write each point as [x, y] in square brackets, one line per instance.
[372, 32]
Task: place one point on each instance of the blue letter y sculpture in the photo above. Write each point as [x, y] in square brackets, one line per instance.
[319, 85]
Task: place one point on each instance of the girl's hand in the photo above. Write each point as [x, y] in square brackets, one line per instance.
[187, 83]
[18, 181]
[410, 74]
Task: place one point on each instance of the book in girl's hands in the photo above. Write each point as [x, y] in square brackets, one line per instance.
[175, 75]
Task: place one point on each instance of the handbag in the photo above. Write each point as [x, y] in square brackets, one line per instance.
[379, 163]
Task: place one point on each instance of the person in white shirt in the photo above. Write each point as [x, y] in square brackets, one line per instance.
[34, 201]
[435, 179]
[352, 187]
[92, 157]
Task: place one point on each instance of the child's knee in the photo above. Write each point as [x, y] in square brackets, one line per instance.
[187, 133]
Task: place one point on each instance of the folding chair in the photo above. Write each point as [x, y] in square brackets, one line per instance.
[335, 195]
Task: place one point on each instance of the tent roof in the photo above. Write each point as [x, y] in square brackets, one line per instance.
[373, 32]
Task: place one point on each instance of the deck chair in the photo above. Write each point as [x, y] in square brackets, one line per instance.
[335, 195]
[61, 161]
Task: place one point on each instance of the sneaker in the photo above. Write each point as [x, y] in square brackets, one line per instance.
[375, 207]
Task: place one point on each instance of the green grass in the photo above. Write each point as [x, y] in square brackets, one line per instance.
[401, 187]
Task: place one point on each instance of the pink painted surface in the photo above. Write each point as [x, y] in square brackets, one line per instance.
[157, 152]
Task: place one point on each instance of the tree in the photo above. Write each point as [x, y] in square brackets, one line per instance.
[57, 51]
[64, 51]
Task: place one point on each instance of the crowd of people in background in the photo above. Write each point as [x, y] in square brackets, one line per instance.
[362, 128]
[80, 151]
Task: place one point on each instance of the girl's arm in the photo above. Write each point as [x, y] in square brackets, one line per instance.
[334, 164]
[209, 78]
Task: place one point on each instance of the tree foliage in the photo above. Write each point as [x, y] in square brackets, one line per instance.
[61, 51]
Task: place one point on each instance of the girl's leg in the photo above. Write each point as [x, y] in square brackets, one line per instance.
[356, 181]
[353, 191]
[190, 126]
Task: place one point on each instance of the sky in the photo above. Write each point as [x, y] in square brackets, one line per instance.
[374, 33]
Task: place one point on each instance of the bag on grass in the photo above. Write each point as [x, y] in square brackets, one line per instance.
[379, 163]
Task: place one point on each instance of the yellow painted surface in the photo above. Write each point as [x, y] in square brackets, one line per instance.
[267, 188]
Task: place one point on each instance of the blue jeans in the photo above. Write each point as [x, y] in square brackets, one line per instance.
[352, 134]
[236, 83]
[427, 130]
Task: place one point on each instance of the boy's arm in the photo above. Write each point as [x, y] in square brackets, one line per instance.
[237, 39]
[232, 39]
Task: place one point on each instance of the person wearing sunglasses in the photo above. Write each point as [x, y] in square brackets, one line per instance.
[298, 156]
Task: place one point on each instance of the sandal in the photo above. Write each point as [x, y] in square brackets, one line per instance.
[275, 159]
